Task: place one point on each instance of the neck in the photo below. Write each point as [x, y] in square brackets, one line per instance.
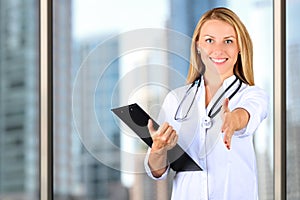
[213, 81]
[212, 85]
[211, 88]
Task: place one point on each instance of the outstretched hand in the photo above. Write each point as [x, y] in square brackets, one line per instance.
[164, 138]
[228, 125]
[232, 121]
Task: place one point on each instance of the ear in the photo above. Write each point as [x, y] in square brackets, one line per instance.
[198, 47]
[197, 44]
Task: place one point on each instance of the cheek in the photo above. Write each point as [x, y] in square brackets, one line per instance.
[234, 54]
[204, 46]
[205, 51]
[204, 57]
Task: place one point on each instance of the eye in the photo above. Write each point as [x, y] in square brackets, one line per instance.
[209, 40]
[228, 41]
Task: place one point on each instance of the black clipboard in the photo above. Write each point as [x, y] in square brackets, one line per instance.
[137, 119]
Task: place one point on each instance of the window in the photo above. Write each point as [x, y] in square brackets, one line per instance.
[19, 100]
[97, 66]
[293, 104]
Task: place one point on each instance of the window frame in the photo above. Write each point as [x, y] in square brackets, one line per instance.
[279, 106]
[46, 99]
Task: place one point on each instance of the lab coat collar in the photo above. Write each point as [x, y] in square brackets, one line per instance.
[228, 81]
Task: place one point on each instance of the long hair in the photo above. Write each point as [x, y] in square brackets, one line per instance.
[243, 68]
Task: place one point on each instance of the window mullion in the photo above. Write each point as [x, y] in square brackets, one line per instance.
[279, 100]
[46, 103]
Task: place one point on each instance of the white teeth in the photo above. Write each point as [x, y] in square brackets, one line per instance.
[216, 60]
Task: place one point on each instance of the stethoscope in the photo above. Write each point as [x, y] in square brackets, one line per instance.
[207, 121]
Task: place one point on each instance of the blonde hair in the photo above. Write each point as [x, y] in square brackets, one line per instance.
[243, 68]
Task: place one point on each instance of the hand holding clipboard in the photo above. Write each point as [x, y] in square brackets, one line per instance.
[137, 119]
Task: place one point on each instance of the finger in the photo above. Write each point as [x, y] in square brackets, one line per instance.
[159, 131]
[227, 139]
[168, 132]
[167, 135]
[173, 139]
[223, 127]
[225, 123]
[150, 127]
[171, 135]
[163, 128]
[225, 107]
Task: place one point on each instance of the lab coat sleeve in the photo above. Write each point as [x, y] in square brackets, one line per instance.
[148, 170]
[163, 116]
[255, 101]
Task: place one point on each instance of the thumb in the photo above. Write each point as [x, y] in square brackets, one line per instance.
[225, 107]
[150, 127]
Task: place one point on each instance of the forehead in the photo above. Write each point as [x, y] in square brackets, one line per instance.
[216, 27]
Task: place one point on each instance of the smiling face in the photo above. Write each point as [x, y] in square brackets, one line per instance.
[218, 46]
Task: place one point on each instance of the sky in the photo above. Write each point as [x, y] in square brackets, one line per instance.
[94, 16]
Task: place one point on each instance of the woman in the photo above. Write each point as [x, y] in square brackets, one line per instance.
[213, 118]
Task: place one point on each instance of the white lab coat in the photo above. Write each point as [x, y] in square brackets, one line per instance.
[227, 174]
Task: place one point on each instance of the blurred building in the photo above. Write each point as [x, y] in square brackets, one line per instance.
[77, 173]
[19, 100]
[293, 100]
[100, 161]
[143, 80]
[66, 146]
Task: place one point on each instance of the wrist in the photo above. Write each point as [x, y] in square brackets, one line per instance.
[241, 117]
[158, 150]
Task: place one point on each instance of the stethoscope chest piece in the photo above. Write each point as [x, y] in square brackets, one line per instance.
[206, 122]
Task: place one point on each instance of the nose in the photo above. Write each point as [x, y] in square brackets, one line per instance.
[218, 49]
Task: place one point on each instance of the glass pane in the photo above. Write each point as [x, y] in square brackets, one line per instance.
[112, 53]
[19, 100]
[293, 111]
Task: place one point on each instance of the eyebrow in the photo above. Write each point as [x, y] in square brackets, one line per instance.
[231, 36]
[226, 37]
[209, 36]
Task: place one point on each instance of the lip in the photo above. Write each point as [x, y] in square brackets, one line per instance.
[218, 60]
